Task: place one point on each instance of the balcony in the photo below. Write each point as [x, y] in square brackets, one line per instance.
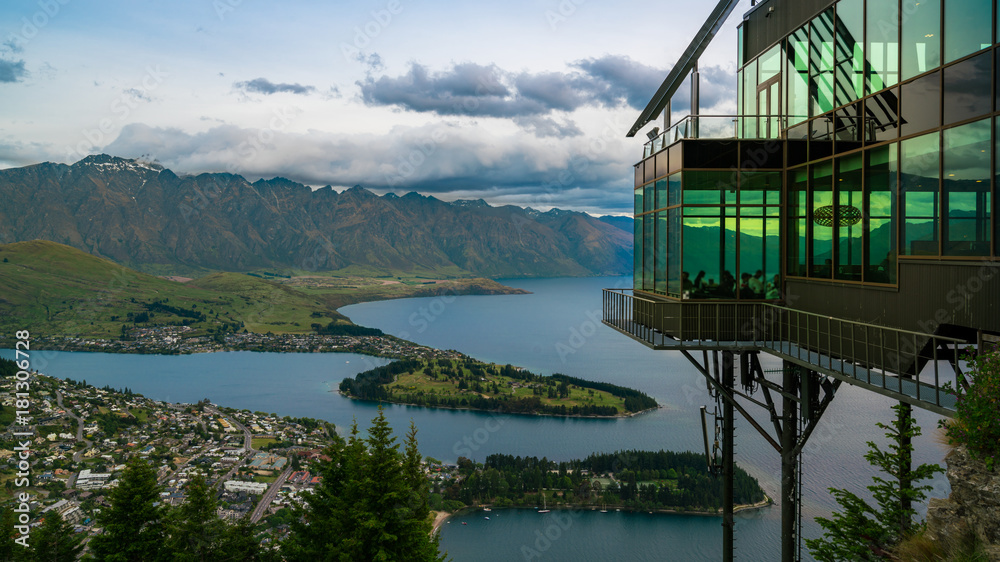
[897, 363]
[721, 127]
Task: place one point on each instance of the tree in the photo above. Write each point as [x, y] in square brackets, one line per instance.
[133, 525]
[371, 503]
[863, 532]
[194, 528]
[55, 540]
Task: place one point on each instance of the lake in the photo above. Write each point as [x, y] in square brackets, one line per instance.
[555, 329]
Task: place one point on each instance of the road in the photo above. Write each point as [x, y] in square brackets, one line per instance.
[269, 495]
[77, 456]
[247, 444]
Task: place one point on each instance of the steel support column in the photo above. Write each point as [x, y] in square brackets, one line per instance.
[728, 383]
[789, 465]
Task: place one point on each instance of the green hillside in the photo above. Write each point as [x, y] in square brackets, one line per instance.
[55, 290]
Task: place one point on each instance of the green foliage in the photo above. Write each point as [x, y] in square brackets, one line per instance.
[134, 524]
[55, 541]
[338, 329]
[370, 505]
[977, 417]
[860, 531]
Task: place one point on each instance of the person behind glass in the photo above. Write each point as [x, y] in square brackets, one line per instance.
[756, 284]
[727, 284]
[774, 289]
[699, 282]
[745, 291]
[686, 284]
[826, 270]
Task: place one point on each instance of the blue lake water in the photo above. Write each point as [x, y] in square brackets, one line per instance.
[555, 329]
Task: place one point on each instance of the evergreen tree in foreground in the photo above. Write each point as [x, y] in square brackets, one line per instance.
[863, 532]
[133, 525]
[55, 540]
[370, 505]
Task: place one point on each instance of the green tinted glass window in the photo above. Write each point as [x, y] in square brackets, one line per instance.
[921, 37]
[918, 163]
[966, 187]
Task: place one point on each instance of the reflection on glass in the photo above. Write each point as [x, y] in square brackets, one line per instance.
[882, 116]
[920, 104]
[966, 187]
[759, 188]
[967, 89]
[709, 187]
[921, 36]
[661, 252]
[821, 63]
[661, 194]
[674, 189]
[967, 27]
[637, 255]
[648, 246]
[750, 100]
[882, 44]
[638, 202]
[846, 217]
[881, 215]
[674, 252]
[821, 192]
[704, 260]
[798, 210]
[797, 75]
[919, 158]
[849, 55]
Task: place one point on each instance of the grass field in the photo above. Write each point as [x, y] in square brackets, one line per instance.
[61, 291]
[258, 442]
[444, 378]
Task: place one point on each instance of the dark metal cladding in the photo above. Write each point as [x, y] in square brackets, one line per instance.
[771, 20]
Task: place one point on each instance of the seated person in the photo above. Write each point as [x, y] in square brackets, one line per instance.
[756, 284]
[774, 289]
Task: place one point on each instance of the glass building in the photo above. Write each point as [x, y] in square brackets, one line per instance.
[857, 180]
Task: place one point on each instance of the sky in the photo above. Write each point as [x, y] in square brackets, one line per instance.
[519, 102]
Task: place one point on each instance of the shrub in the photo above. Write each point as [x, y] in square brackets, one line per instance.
[977, 414]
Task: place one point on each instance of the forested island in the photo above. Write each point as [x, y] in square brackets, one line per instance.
[632, 480]
[470, 384]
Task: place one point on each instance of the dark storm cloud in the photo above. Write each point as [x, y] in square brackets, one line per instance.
[266, 87]
[12, 71]
[489, 91]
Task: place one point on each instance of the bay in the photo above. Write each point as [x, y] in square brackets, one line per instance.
[555, 329]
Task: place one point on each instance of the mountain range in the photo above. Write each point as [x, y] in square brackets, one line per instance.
[144, 216]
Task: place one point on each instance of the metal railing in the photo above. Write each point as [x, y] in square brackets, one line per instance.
[888, 358]
[718, 127]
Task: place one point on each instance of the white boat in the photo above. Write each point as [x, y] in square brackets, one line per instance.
[543, 510]
[487, 509]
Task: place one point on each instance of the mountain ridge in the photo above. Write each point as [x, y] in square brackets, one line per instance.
[145, 216]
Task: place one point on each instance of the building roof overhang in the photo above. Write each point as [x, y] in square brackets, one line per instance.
[684, 65]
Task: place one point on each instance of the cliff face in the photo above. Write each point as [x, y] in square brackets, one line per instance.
[972, 507]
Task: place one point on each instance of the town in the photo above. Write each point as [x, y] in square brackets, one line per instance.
[180, 340]
[258, 463]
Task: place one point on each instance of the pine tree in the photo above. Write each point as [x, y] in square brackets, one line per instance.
[370, 505]
[195, 530]
[863, 532]
[133, 525]
[55, 540]
[9, 550]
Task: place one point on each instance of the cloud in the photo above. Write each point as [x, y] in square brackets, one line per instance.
[547, 127]
[266, 87]
[445, 160]
[608, 82]
[11, 71]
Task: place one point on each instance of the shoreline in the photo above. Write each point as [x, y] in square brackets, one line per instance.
[498, 412]
[442, 517]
